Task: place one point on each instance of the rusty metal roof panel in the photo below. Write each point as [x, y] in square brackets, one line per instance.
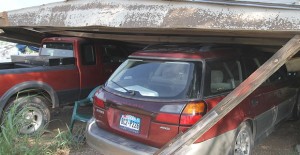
[206, 21]
[156, 14]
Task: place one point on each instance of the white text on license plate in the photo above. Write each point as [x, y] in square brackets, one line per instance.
[130, 123]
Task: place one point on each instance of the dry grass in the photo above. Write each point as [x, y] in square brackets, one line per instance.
[41, 143]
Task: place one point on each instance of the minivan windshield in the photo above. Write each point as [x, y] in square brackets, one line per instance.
[153, 79]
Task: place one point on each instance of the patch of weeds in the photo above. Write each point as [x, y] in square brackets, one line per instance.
[14, 143]
[65, 140]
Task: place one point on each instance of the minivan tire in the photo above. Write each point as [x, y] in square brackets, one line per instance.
[35, 111]
[243, 141]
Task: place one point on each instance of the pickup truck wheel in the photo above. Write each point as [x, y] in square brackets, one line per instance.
[243, 142]
[35, 112]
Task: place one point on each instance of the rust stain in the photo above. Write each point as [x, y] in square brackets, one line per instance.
[226, 19]
[4, 19]
[153, 14]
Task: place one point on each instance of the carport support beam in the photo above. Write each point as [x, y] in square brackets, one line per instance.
[181, 142]
[3, 19]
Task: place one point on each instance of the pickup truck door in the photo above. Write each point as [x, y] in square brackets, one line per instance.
[90, 68]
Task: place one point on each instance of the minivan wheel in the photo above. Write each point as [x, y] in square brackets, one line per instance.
[33, 111]
[243, 143]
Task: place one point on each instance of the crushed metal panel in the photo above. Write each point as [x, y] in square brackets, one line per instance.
[156, 14]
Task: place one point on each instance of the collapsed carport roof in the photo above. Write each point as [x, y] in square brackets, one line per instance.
[149, 21]
[169, 21]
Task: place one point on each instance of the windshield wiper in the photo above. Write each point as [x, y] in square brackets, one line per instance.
[131, 92]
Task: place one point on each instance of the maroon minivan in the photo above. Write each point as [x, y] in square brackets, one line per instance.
[163, 90]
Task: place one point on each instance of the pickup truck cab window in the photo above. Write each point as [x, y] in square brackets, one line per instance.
[57, 49]
[88, 55]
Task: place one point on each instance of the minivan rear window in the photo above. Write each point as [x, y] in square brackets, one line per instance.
[153, 79]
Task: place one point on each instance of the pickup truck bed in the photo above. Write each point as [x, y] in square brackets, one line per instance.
[14, 65]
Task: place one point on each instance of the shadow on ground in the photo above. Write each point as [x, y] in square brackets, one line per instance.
[282, 141]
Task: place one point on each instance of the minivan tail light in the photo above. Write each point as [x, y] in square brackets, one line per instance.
[98, 102]
[192, 113]
[169, 114]
[167, 118]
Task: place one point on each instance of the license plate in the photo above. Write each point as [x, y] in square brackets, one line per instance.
[130, 123]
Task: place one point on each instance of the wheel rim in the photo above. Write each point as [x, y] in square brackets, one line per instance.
[242, 143]
[33, 119]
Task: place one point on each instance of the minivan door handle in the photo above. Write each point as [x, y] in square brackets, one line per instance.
[254, 102]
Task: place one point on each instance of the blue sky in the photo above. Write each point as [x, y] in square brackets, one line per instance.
[7, 5]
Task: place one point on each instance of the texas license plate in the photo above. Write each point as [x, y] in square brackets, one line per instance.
[130, 123]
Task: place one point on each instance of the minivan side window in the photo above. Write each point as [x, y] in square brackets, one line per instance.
[252, 64]
[88, 55]
[222, 76]
[279, 75]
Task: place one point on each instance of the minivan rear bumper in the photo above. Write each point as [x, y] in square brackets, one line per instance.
[111, 144]
[108, 143]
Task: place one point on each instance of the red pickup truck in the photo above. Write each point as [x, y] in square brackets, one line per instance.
[66, 70]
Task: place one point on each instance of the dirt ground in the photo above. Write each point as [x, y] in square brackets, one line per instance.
[61, 120]
[282, 140]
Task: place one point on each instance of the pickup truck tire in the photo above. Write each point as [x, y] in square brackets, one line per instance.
[34, 110]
